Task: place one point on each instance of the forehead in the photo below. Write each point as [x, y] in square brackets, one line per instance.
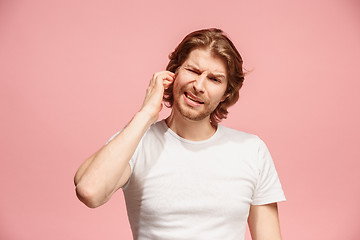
[205, 60]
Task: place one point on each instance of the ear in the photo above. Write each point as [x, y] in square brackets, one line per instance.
[225, 97]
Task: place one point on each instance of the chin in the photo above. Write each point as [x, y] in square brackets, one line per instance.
[192, 114]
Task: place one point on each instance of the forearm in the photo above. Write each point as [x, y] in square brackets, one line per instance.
[107, 170]
[99, 176]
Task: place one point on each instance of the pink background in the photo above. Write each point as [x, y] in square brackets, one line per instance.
[74, 72]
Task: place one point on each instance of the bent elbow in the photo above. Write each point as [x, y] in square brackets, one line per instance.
[86, 196]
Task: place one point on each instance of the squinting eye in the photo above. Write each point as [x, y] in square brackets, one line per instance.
[193, 71]
[215, 80]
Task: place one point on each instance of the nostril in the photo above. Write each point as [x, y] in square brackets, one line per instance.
[198, 86]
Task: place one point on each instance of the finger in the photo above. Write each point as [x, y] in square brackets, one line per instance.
[156, 77]
[171, 73]
[168, 81]
[163, 78]
[164, 74]
[160, 81]
[153, 80]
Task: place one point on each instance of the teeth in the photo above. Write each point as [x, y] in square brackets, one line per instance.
[191, 98]
[188, 96]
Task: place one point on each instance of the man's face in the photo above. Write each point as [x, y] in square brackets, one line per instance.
[200, 85]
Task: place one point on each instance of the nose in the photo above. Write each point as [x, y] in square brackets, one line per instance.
[199, 83]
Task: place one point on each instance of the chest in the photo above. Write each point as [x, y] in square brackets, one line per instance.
[207, 182]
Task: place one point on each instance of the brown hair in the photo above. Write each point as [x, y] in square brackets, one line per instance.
[220, 45]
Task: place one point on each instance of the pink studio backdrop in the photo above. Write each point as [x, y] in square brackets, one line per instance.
[74, 72]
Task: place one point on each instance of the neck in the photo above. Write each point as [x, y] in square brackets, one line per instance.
[190, 129]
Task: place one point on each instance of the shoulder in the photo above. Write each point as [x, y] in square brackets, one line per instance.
[157, 127]
[240, 141]
[156, 131]
[239, 136]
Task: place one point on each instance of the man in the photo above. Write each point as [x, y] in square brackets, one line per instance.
[187, 177]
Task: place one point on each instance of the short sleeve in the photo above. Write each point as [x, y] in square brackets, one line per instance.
[268, 188]
[113, 136]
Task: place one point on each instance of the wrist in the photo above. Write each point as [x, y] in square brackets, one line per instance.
[145, 117]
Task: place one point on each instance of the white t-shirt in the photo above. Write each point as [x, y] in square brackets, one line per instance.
[181, 189]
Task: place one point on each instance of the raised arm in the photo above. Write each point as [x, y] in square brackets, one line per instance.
[108, 169]
[264, 223]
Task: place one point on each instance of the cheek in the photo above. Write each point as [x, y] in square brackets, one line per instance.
[218, 94]
[179, 82]
[177, 87]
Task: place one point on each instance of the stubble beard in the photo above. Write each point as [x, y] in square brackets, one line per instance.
[189, 112]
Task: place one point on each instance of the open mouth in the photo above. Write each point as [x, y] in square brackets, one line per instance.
[193, 98]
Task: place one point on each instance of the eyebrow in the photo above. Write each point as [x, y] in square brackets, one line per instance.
[216, 75]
